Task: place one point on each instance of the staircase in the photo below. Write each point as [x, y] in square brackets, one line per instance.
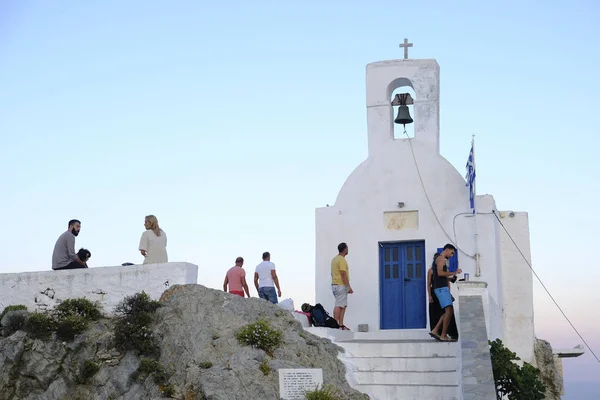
[399, 365]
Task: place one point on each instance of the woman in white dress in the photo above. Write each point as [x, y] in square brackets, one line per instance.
[153, 244]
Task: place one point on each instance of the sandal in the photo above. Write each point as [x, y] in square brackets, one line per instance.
[435, 336]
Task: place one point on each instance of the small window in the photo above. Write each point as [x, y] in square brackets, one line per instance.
[395, 269]
[387, 272]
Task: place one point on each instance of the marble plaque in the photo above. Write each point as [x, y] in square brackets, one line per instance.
[294, 383]
[400, 220]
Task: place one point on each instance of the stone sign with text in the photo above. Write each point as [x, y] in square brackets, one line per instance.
[294, 383]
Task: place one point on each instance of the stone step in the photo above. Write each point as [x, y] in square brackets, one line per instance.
[395, 348]
[405, 377]
[410, 392]
[420, 364]
[391, 334]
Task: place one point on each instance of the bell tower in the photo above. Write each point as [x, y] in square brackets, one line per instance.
[383, 77]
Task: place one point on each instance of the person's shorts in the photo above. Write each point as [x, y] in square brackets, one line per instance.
[268, 293]
[444, 296]
[237, 292]
[340, 292]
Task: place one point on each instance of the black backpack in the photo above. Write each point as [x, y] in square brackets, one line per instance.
[320, 317]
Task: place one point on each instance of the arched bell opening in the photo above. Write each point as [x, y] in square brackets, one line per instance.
[403, 109]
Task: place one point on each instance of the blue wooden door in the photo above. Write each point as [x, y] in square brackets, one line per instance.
[402, 285]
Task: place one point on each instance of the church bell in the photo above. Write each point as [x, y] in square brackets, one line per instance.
[403, 117]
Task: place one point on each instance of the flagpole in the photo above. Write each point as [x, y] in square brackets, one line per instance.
[477, 265]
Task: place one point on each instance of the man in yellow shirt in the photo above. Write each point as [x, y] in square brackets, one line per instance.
[340, 284]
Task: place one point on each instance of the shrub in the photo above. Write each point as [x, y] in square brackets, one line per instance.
[88, 370]
[133, 330]
[16, 307]
[40, 325]
[81, 307]
[261, 335]
[512, 381]
[134, 333]
[327, 392]
[13, 323]
[264, 367]
[136, 304]
[69, 326]
[167, 391]
[159, 376]
[205, 365]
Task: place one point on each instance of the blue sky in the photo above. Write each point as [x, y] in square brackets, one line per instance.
[232, 122]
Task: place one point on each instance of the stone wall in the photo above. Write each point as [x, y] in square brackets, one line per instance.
[477, 375]
[107, 285]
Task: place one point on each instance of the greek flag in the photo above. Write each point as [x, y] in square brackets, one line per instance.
[470, 177]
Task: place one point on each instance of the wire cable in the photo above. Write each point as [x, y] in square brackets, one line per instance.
[546, 289]
[429, 201]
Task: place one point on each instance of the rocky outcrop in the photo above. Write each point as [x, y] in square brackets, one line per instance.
[199, 354]
[549, 371]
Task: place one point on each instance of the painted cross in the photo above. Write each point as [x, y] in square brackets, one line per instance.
[406, 45]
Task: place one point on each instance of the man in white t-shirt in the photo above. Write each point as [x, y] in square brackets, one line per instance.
[264, 279]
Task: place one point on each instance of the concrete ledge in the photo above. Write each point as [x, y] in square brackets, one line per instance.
[107, 285]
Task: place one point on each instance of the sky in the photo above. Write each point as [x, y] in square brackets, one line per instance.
[232, 121]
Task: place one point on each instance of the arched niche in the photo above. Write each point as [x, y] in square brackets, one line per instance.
[399, 86]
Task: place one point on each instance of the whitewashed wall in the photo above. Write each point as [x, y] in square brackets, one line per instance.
[517, 280]
[108, 285]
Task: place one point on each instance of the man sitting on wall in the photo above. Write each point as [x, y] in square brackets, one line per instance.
[64, 256]
[442, 292]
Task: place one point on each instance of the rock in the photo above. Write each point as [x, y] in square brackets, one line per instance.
[195, 329]
[549, 372]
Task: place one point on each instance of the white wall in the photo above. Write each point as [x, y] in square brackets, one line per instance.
[108, 285]
[517, 280]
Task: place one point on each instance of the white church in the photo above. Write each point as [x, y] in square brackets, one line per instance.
[395, 211]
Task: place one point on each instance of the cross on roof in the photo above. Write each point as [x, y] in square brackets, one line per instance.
[406, 45]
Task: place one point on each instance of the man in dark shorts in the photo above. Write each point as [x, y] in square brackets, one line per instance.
[442, 292]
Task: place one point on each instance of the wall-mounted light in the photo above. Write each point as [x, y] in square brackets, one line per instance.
[400, 204]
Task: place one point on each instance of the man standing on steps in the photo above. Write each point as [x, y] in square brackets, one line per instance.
[266, 275]
[442, 292]
[340, 284]
[236, 279]
[64, 256]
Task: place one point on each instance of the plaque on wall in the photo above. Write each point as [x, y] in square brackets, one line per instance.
[400, 220]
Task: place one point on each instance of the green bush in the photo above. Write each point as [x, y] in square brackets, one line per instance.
[133, 329]
[513, 381]
[16, 307]
[88, 370]
[260, 335]
[205, 365]
[81, 307]
[13, 323]
[327, 392]
[136, 304]
[40, 325]
[69, 326]
[160, 377]
[264, 367]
